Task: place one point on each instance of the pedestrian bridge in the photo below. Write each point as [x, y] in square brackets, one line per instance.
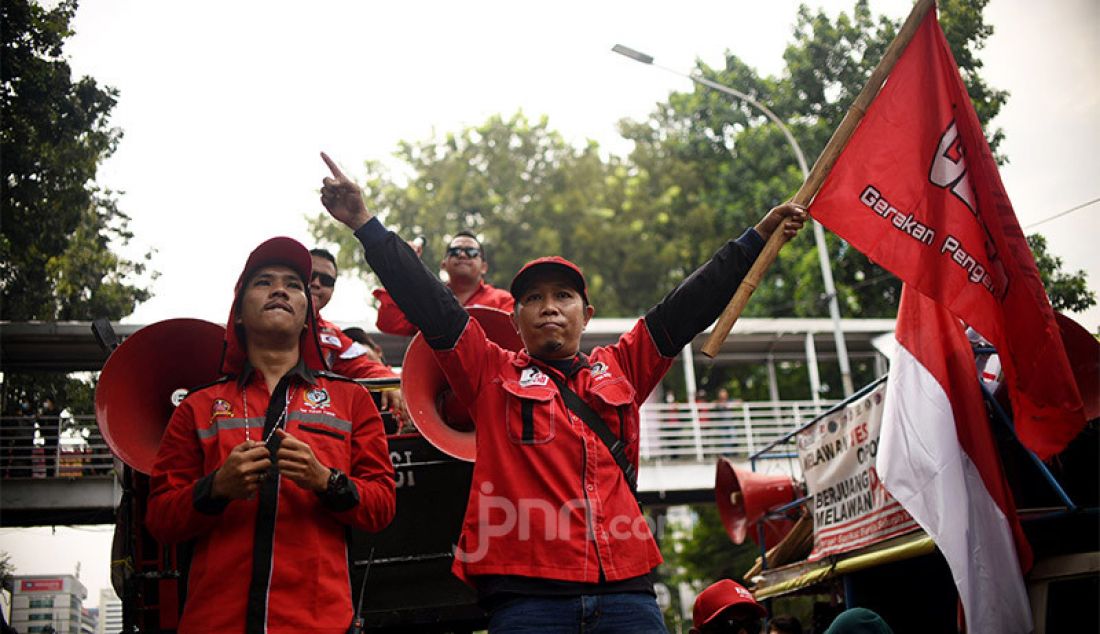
[75, 481]
[51, 473]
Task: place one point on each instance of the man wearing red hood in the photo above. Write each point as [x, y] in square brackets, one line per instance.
[266, 468]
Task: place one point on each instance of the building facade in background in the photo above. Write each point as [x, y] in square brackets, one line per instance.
[44, 603]
[110, 612]
[89, 618]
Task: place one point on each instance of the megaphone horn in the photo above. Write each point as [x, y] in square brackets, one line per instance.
[744, 497]
[433, 407]
[146, 377]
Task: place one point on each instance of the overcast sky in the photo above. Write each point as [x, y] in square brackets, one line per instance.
[225, 106]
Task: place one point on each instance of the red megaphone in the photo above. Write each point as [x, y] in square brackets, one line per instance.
[436, 413]
[146, 377]
[744, 497]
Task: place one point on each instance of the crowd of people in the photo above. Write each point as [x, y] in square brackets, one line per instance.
[266, 469]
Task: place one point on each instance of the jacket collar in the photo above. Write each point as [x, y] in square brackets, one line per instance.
[300, 371]
[577, 363]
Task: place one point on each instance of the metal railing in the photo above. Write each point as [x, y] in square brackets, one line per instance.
[71, 447]
[702, 431]
[53, 447]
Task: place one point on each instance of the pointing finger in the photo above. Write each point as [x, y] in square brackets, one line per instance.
[332, 167]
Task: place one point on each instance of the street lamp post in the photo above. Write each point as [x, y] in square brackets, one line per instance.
[819, 231]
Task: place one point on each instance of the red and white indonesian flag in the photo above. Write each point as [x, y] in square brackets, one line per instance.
[937, 457]
[917, 190]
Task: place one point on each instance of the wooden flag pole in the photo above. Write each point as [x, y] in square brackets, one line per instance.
[820, 171]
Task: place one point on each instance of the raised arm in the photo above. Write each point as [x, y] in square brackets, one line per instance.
[427, 302]
[697, 301]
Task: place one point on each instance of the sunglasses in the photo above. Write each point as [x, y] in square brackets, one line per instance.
[325, 279]
[470, 252]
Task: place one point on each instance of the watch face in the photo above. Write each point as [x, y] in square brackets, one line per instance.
[336, 479]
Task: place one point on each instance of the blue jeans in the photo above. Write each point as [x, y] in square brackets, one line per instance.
[629, 613]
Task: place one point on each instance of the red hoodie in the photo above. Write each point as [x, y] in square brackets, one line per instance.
[276, 562]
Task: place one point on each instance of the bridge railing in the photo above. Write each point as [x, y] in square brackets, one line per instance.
[701, 432]
[71, 446]
[53, 446]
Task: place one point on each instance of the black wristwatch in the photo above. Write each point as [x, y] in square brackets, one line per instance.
[337, 482]
[339, 494]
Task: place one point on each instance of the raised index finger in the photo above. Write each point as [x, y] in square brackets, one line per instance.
[332, 167]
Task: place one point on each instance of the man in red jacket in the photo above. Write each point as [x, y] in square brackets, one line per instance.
[465, 267]
[553, 538]
[266, 468]
[344, 355]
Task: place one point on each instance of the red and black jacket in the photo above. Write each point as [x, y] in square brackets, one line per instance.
[276, 562]
[548, 500]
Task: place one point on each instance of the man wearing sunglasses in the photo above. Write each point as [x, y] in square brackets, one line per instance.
[344, 355]
[464, 265]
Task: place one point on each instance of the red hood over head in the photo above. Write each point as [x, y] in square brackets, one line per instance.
[288, 252]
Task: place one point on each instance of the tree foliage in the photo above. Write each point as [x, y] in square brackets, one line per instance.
[703, 168]
[705, 553]
[57, 227]
[58, 230]
[1067, 291]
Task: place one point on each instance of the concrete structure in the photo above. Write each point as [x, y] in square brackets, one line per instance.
[110, 612]
[44, 602]
[89, 619]
[679, 441]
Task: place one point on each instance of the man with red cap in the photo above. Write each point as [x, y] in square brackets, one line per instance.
[726, 607]
[553, 538]
[266, 468]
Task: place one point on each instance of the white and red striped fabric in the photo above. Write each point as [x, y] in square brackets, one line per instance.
[937, 457]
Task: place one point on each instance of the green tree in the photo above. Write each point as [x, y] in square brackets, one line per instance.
[57, 226]
[705, 554]
[1067, 291]
[703, 168]
[58, 230]
[730, 163]
[527, 193]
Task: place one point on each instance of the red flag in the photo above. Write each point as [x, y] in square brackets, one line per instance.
[917, 190]
[938, 458]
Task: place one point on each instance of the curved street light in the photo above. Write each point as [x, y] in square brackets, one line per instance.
[819, 231]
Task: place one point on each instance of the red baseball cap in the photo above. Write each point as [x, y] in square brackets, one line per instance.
[279, 250]
[721, 596]
[530, 270]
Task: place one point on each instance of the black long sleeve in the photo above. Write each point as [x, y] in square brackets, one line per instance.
[697, 301]
[683, 313]
[424, 299]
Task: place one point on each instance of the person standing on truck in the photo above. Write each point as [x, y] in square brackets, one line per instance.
[266, 469]
[464, 265]
[553, 538]
[344, 355]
